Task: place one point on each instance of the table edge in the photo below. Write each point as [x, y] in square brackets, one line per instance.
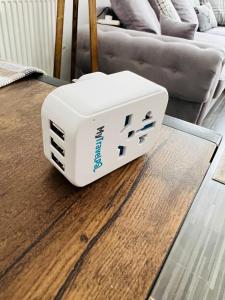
[193, 129]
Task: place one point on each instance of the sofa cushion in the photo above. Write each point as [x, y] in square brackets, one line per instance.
[165, 7]
[177, 29]
[154, 5]
[219, 10]
[206, 17]
[212, 40]
[186, 11]
[136, 15]
[195, 2]
[217, 31]
[188, 69]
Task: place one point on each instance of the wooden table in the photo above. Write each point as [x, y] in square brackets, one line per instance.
[105, 241]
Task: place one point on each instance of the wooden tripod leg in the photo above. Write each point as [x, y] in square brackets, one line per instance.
[59, 38]
[93, 35]
[74, 39]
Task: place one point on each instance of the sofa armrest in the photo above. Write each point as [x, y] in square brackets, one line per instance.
[188, 70]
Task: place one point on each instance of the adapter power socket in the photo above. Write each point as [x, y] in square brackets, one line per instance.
[100, 123]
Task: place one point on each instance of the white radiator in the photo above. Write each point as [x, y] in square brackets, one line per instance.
[27, 32]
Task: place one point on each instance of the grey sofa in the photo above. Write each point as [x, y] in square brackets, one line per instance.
[192, 71]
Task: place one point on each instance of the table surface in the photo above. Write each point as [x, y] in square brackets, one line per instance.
[98, 242]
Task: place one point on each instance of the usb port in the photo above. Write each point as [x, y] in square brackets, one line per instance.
[57, 147]
[57, 130]
[55, 159]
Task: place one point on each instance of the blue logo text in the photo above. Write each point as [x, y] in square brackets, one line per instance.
[98, 148]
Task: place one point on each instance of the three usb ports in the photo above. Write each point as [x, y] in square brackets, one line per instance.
[58, 149]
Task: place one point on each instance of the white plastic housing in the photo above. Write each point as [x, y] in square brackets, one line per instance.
[107, 121]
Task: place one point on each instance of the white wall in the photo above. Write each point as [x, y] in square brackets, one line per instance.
[82, 19]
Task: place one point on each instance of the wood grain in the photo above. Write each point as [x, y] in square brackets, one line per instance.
[105, 241]
[93, 35]
[59, 38]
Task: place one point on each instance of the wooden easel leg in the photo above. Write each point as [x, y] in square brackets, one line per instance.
[74, 39]
[59, 38]
[93, 35]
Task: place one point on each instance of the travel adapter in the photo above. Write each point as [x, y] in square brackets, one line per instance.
[100, 123]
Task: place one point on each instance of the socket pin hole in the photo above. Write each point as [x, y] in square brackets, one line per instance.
[131, 133]
[148, 126]
[142, 139]
[127, 120]
[148, 116]
[121, 150]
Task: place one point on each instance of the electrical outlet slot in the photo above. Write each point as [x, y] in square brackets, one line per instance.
[142, 139]
[57, 130]
[131, 133]
[122, 150]
[148, 126]
[56, 161]
[57, 147]
[147, 116]
[127, 120]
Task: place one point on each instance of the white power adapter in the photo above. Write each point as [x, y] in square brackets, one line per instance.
[95, 126]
